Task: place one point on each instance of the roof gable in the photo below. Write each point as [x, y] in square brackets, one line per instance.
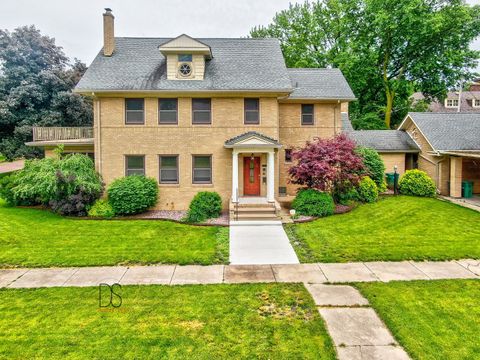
[184, 43]
[251, 138]
[447, 131]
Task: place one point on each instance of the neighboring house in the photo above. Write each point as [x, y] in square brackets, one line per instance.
[394, 146]
[456, 101]
[450, 148]
[201, 114]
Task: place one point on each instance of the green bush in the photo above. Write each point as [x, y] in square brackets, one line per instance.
[417, 183]
[2, 158]
[367, 190]
[374, 165]
[101, 209]
[132, 194]
[204, 205]
[311, 202]
[38, 183]
[6, 185]
[345, 197]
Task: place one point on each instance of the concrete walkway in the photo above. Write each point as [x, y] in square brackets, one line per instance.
[217, 274]
[260, 242]
[356, 330]
[7, 167]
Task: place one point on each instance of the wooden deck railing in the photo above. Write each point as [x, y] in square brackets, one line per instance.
[61, 133]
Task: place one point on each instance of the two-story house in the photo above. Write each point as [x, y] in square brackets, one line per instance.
[201, 114]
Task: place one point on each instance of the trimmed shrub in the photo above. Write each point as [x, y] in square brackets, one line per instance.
[101, 209]
[311, 202]
[132, 194]
[204, 205]
[417, 183]
[374, 165]
[367, 190]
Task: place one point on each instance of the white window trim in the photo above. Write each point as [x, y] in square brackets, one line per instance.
[474, 103]
[451, 106]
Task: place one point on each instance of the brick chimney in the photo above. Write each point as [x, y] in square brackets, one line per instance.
[108, 34]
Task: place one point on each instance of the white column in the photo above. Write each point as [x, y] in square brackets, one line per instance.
[234, 175]
[271, 177]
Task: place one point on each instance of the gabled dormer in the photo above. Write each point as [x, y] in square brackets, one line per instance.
[185, 58]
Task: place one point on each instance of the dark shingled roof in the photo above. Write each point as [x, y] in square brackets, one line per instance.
[380, 140]
[237, 64]
[384, 140]
[449, 131]
[319, 84]
[248, 134]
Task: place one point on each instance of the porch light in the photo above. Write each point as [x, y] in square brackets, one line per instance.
[252, 158]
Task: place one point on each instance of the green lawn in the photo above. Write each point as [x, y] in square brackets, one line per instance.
[431, 319]
[267, 321]
[38, 238]
[394, 228]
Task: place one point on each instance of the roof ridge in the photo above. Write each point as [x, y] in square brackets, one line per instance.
[195, 38]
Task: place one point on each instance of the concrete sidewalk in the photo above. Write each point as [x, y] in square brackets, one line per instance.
[217, 274]
[260, 242]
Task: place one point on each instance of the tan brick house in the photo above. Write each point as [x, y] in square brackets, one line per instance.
[201, 114]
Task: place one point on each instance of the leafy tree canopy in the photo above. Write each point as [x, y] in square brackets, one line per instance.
[385, 48]
[36, 80]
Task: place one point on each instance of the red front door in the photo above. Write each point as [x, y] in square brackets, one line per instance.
[251, 176]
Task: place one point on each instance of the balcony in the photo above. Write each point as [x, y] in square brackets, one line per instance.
[61, 133]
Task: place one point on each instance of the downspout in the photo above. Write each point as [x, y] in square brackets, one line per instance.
[99, 136]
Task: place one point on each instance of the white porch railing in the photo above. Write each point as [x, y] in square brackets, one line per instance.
[61, 133]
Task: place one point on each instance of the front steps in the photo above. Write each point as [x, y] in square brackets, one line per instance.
[252, 212]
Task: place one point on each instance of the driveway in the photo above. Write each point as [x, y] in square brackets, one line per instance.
[7, 167]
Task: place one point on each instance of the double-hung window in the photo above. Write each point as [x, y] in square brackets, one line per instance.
[201, 111]
[168, 169]
[167, 111]
[134, 111]
[450, 103]
[202, 169]
[252, 111]
[134, 165]
[307, 114]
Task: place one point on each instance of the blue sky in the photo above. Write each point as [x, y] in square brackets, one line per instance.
[77, 26]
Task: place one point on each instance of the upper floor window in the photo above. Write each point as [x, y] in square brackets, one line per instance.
[134, 111]
[252, 111]
[201, 111]
[202, 169]
[169, 169]
[134, 165]
[185, 57]
[167, 111]
[451, 103]
[307, 114]
[476, 102]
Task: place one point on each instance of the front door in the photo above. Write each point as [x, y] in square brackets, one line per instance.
[251, 176]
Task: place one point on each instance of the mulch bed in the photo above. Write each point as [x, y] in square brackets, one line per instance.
[339, 209]
[178, 215]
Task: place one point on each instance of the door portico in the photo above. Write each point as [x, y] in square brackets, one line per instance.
[252, 145]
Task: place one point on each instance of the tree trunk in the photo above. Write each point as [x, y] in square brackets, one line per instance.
[388, 109]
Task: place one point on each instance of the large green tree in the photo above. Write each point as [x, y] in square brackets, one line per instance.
[36, 82]
[386, 48]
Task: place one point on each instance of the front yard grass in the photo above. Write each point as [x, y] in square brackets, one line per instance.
[431, 319]
[39, 238]
[274, 321]
[393, 229]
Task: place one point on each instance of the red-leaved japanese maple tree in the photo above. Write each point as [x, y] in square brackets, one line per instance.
[327, 164]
